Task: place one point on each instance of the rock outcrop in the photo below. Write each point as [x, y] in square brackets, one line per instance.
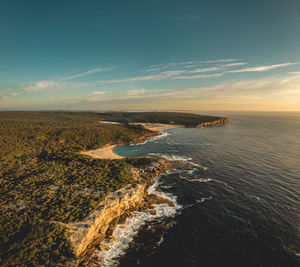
[214, 123]
[86, 236]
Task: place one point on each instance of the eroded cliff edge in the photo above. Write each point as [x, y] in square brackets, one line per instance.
[214, 123]
[48, 184]
[86, 236]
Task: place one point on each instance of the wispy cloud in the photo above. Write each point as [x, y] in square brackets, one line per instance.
[39, 85]
[191, 64]
[262, 68]
[176, 71]
[234, 64]
[200, 76]
[47, 84]
[61, 83]
[158, 67]
[89, 72]
[155, 77]
[7, 94]
[99, 92]
[167, 75]
[220, 60]
[152, 69]
[244, 90]
[170, 73]
[180, 71]
[295, 72]
[216, 68]
[204, 70]
[135, 92]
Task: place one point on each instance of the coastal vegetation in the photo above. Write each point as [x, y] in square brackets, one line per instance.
[45, 183]
[177, 118]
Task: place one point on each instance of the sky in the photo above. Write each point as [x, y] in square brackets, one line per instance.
[150, 55]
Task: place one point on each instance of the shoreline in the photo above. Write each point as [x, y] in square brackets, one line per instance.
[105, 152]
[94, 236]
[87, 236]
[157, 126]
[88, 172]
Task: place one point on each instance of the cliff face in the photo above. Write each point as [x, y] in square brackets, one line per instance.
[215, 123]
[85, 236]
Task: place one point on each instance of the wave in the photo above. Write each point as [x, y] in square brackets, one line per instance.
[124, 233]
[199, 166]
[166, 186]
[200, 180]
[258, 198]
[205, 180]
[165, 134]
[203, 199]
[224, 183]
[171, 157]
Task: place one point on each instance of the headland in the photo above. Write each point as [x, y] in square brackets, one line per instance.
[67, 201]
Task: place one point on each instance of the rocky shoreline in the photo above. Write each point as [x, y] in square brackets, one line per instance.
[86, 237]
[214, 123]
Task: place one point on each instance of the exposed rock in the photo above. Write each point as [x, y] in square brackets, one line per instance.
[86, 236]
[214, 123]
[102, 247]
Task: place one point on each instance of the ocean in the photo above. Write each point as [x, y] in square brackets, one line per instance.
[242, 210]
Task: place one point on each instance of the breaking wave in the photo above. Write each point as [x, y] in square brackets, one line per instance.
[171, 157]
[205, 180]
[164, 134]
[203, 199]
[124, 233]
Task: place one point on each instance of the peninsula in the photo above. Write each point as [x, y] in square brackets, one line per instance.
[59, 196]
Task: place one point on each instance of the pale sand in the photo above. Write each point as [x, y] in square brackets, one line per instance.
[106, 152]
[103, 153]
[158, 126]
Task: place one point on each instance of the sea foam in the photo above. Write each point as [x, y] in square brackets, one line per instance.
[124, 233]
[205, 180]
[203, 199]
[171, 157]
[152, 139]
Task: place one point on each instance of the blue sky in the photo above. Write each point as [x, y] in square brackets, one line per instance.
[150, 55]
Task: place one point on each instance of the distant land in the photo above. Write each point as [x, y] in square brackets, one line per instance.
[185, 119]
[57, 204]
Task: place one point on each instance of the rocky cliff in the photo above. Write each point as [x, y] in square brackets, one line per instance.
[86, 236]
[214, 123]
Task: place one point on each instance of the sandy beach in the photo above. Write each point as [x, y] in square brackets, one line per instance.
[158, 126]
[105, 152]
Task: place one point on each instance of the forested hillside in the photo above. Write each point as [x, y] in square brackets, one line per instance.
[185, 119]
[44, 181]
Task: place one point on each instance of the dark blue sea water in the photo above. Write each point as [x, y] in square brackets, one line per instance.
[242, 211]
